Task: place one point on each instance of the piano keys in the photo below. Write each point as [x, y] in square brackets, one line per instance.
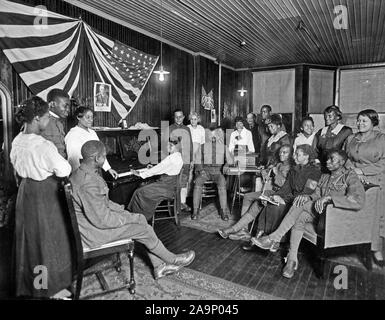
[123, 149]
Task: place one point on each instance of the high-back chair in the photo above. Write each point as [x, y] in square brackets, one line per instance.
[341, 227]
[82, 254]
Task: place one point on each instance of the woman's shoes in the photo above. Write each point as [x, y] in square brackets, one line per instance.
[380, 263]
[289, 269]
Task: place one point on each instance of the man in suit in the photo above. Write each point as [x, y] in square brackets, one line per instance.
[102, 97]
[254, 128]
[59, 104]
[181, 132]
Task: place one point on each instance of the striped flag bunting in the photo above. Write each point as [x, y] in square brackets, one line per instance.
[125, 68]
[45, 48]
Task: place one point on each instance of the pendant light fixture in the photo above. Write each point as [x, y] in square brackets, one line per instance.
[161, 70]
[242, 91]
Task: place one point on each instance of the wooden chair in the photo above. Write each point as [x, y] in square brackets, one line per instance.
[341, 227]
[82, 254]
[172, 206]
[209, 190]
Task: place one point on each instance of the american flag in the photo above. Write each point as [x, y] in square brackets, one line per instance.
[125, 68]
[45, 56]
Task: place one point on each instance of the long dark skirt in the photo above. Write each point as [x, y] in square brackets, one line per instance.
[146, 199]
[271, 217]
[43, 264]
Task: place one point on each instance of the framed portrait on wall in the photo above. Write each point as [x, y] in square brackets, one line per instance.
[102, 97]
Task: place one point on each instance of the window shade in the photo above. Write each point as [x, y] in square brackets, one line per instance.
[361, 89]
[275, 88]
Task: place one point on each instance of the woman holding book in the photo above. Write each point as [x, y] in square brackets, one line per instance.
[252, 205]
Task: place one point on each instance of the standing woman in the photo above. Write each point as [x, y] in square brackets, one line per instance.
[79, 135]
[41, 237]
[366, 152]
[278, 138]
[332, 136]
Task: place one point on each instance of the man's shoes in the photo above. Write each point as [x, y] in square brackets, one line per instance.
[243, 235]
[248, 246]
[184, 259]
[195, 214]
[266, 243]
[184, 207]
[165, 269]
[224, 215]
[289, 269]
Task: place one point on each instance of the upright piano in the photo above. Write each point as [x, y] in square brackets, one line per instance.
[128, 149]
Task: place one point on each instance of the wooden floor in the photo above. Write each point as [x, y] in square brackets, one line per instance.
[261, 270]
[258, 270]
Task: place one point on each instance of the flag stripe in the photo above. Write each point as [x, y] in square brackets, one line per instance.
[30, 20]
[10, 7]
[49, 57]
[45, 58]
[22, 34]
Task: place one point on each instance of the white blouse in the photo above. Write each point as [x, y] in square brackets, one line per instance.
[171, 165]
[74, 141]
[198, 134]
[245, 138]
[34, 157]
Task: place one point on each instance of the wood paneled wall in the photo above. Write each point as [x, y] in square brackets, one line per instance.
[182, 88]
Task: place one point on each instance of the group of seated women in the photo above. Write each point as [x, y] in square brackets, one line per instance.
[328, 167]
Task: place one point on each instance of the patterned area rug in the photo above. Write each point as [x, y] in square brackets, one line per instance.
[209, 220]
[187, 284]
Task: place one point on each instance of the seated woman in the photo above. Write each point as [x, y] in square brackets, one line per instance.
[269, 154]
[366, 152]
[252, 205]
[41, 237]
[332, 136]
[341, 187]
[79, 135]
[214, 153]
[241, 138]
[146, 199]
[307, 134]
[301, 182]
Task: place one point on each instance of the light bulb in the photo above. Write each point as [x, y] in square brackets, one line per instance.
[242, 93]
[161, 77]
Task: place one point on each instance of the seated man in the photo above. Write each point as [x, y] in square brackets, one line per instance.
[341, 187]
[252, 205]
[209, 167]
[102, 221]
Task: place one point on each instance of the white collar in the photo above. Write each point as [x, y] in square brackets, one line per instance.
[335, 131]
[54, 115]
[301, 135]
[275, 138]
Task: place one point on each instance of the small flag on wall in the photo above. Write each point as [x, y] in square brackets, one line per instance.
[207, 100]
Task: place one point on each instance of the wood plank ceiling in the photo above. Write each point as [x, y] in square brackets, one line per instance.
[268, 27]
